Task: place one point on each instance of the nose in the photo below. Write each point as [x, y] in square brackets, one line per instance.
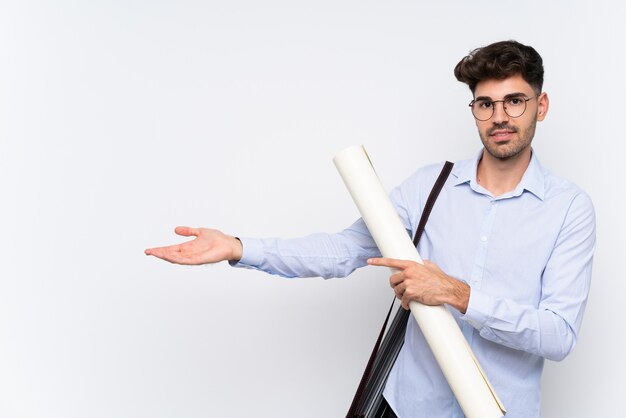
[499, 115]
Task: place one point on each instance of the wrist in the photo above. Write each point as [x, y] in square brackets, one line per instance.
[459, 295]
[237, 249]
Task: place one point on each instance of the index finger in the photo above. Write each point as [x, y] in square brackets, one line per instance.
[389, 262]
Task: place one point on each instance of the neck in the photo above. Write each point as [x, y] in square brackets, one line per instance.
[500, 176]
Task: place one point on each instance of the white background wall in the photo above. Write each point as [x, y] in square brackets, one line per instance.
[122, 119]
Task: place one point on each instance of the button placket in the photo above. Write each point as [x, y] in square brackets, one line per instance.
[483, 246]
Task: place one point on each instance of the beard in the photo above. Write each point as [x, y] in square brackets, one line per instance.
[512, 148]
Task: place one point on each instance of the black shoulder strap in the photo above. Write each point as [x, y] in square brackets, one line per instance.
[430, 202]
[399, 323]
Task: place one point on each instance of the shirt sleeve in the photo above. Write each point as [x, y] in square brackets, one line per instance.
[549, 330]
[319, 255]
[316, 255]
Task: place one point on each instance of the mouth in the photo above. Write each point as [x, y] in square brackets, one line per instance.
[502, 135]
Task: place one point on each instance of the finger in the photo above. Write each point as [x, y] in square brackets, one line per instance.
[406, 299]
[165, 253]
[151, 251]
[399, 290]
[389, 262]
[175, 258]
[396, 279]
[186, 231]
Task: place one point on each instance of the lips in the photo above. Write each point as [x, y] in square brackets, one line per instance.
[500, 135]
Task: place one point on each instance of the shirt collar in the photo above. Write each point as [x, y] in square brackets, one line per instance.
[532, 180]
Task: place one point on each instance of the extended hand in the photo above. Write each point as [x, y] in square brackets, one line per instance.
[209, 246]
[425, 284]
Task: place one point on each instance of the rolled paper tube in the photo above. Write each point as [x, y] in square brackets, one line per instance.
[452, 352]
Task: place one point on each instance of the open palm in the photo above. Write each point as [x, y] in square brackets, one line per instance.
[208, 246]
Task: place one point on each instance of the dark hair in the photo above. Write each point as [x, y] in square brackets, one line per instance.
[501, 60]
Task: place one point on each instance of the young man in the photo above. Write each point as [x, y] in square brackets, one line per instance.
[510, 248]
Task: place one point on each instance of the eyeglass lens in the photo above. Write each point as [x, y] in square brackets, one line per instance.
[483, 109]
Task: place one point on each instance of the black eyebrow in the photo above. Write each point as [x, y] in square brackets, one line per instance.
[512, 95]
[508, 96]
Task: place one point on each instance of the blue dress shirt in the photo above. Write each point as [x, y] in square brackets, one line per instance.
[526, 255]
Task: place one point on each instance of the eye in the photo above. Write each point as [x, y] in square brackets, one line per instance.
[515, 101]
[484, 104]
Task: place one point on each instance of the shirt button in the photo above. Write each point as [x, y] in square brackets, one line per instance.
[483, 238]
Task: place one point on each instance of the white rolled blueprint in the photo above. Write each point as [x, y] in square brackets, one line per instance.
[450, 348]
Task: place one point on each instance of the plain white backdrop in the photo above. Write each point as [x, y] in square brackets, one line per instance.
[121, 119]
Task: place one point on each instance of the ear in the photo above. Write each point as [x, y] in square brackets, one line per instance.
[543, 103]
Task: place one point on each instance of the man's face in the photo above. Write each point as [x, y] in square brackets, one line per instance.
[503, 136]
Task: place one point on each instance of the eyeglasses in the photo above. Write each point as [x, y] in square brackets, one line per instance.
[514, 106]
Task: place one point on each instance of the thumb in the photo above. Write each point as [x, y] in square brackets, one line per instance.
[186, 231]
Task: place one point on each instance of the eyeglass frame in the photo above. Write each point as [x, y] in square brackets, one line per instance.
[512, 96]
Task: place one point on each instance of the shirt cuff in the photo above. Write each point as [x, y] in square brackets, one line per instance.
[479, 309]
[251, 255]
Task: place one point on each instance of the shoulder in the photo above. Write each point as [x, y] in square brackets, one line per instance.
[561, 189]
[568, 202]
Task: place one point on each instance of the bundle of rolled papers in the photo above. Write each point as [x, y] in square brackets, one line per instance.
[452, 352]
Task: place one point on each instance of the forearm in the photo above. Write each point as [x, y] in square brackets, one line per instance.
[316, 255]
[322, 255]
[539, 331]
